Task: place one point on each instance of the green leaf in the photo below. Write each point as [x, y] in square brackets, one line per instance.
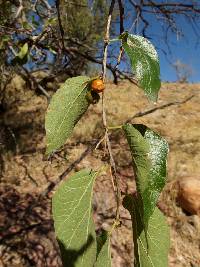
[104, 255]
[5, 38]
[74, 227]
[151, 249]
[35, 23]
[149, 152]
[26, 25]
[21, 58]
[101, 239]
[3, 41]
[23, 51]
[50, 21]
[144, 62]
[52, 51]
[67, 106]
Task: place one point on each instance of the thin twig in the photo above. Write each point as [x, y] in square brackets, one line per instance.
[104, 67]
[106, 40]
[149, 111]
[19, 10]
[119, 57]
[34, 5]
[62, 33]
[121, 14]
[52, 185]
[25, 229]
[47, 4]
[32, 78]
[100, 141]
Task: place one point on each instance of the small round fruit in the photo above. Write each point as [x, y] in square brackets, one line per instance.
[97, 85]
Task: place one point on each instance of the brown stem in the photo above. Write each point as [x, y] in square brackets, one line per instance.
[104, 66]
[106, 40]
[52, 185]
[149, 111]
[121, 14]
[60, 23]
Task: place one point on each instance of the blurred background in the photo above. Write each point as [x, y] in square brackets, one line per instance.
[44, 42]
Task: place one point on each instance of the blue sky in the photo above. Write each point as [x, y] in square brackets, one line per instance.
[184, 48]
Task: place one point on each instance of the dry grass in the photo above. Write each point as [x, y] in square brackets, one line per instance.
[179, 124]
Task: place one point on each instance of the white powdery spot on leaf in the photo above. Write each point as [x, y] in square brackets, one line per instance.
[130, 43]
[139, 70]
[144, 45]
[144, 63]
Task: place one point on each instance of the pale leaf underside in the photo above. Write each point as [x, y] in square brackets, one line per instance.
[73, 221]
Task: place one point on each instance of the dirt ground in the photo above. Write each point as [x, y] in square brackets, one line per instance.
[26, 237]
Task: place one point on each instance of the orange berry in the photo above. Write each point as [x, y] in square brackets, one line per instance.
[97, 85]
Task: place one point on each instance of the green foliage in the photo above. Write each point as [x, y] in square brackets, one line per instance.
[72, 201]
[73, 220]
[38, 24]
[104, 257]
[67, 106]
[144, 62]
[91, 28]
[151, 248]
[101, 240]
[72, 208]
[3, 41]
[23, 51]
[150, 232]
[5, 12]
[149, 153]
[21, 57]
[75, 232]
[83, 23]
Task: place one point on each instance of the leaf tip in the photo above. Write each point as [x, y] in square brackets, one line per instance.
[153, 97]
